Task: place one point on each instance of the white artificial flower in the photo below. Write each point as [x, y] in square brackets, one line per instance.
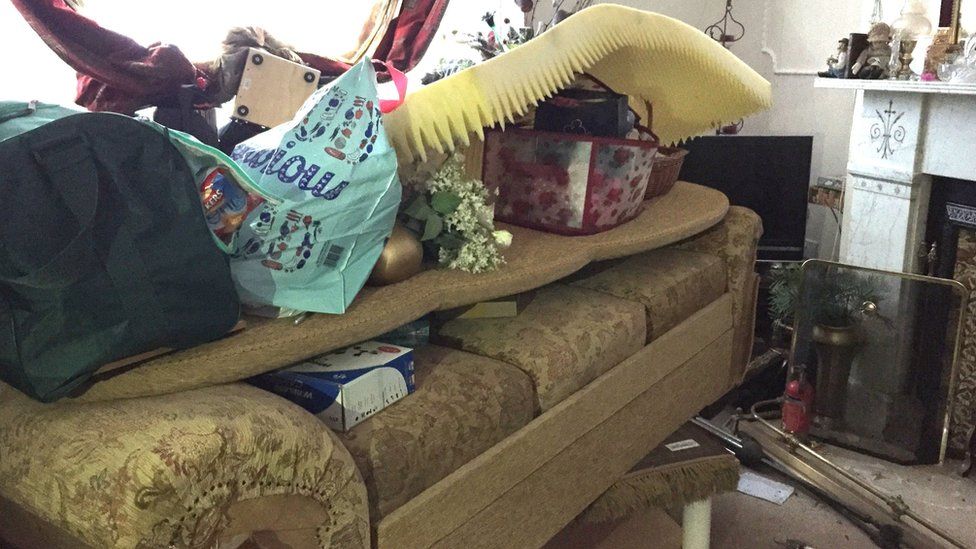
[503, 238]
[472, 221]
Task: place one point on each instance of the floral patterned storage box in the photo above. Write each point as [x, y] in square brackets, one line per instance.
[566, 183]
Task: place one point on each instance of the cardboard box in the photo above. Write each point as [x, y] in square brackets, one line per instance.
[412, 334]
[272, 89]
[344, 387]
[503, 307]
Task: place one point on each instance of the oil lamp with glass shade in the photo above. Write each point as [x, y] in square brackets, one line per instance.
[907, 29]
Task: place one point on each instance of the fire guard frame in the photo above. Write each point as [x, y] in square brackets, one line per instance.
[907, 291]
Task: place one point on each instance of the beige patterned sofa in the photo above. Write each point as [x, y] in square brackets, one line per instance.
[515, 427]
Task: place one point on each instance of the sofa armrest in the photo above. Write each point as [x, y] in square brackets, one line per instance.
[736, 240]
[211, 467]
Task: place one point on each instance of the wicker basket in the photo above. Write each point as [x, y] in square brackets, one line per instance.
[667, 166]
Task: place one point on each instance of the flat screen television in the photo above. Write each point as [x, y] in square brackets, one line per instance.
[768, 174]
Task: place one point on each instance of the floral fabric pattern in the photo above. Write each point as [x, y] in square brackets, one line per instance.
[964, 400]
[566, 183]
[671, 284]
[735, 240]
[564, 339]
[464, 404]
[164, 471]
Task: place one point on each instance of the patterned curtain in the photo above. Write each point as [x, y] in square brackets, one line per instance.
[404, 43]
[383, 13]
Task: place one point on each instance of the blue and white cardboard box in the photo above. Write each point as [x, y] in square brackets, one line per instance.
[345, 387]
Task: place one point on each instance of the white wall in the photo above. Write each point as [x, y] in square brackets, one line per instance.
[30, 69]
[796, 36]
[788, 41]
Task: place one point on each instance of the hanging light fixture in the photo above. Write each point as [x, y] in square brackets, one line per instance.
[725, 31]
[877, 14]
[728, 29]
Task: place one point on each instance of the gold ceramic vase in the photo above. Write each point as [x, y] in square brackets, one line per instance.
[836, 349]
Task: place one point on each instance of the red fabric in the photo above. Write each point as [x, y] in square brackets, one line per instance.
[403, 44]
[117, 74]
[400, 82]
[409, 35]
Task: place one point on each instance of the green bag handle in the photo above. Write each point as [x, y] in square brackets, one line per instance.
[7, 115]
[62, 154]
[20, 117]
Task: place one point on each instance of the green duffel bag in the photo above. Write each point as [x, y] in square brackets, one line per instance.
[104, 249]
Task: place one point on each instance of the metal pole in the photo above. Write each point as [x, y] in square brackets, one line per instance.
[897, 505]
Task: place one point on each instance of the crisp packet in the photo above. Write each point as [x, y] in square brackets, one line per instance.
[225, 204]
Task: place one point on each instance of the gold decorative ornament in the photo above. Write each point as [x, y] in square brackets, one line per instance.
[955, 24]
[402, 257]
[937, 53]
[907, 29]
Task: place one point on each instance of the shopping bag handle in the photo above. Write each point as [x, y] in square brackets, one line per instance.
[58, 157]
[400, 82]
[29, 109]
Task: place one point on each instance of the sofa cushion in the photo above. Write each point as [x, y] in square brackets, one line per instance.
[463, 405]
[735, 240]
[671, 284]
[534, 259]
[565, 338]
[177, 470]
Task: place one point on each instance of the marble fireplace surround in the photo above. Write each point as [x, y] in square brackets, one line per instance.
[903, 134]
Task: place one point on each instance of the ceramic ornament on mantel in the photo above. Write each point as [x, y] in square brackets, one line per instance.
[874, 61]
[907, 30]
[837, 63]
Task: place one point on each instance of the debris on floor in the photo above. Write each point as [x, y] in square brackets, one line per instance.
[794, 544]
[756, 485]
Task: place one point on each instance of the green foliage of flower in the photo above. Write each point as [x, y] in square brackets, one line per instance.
[784, 292]
[831, 297]
[450, 212]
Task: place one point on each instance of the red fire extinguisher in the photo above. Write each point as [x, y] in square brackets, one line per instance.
[798, 405]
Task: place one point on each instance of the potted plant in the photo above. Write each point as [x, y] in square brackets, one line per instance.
[834, 302]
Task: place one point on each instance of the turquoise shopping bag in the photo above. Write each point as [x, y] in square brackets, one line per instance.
[331, 178]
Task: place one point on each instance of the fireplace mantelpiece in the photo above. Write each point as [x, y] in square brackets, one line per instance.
[903, 133]
[897, 86]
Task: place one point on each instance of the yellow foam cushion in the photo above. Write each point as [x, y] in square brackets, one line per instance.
[694, 83]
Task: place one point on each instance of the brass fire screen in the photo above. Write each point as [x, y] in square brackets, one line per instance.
[881, 349]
